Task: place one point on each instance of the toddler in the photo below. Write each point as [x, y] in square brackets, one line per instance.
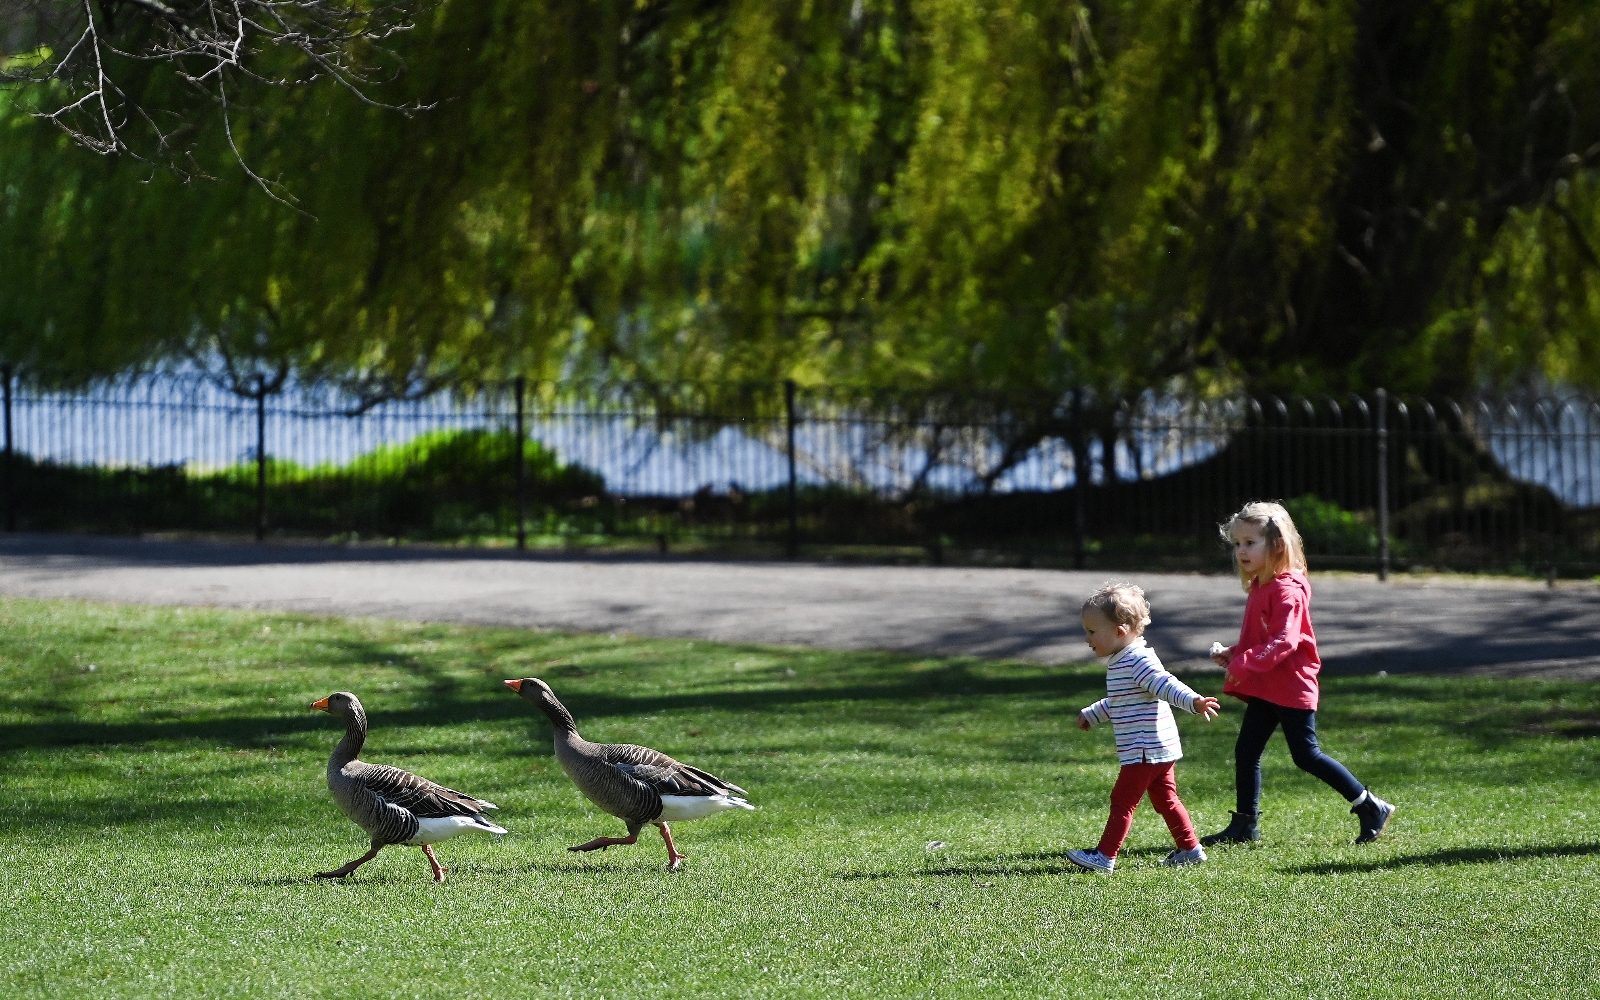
[1138, 691]
[1273, 670]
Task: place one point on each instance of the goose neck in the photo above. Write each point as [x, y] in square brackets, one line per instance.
[561, 719]
[355, 734]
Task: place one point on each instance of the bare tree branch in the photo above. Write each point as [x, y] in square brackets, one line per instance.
[84, 62]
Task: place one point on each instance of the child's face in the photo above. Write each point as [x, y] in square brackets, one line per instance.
[1103, 635]
[1250, 549]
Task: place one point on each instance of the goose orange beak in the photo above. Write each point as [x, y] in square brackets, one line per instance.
[321, 706]
[514, 685]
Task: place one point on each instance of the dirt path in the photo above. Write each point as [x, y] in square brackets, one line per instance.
[1502, 628]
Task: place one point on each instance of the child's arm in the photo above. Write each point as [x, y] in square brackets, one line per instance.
[1154, 678]
[1285, 627]
[1095, 714]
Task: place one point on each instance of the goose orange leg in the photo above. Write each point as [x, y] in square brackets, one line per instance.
[438, 869]
[674, 859]
[601, 843]
[352, 866]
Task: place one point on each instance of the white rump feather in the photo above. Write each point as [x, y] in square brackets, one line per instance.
[677, 808]
[433, 829]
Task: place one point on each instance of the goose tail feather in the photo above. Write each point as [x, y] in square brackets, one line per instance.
[713, 780]
[675, 808]
[432, 829]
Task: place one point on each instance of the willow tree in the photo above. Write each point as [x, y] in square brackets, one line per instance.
[1013, 199]
[400, 252]
[1013, 204]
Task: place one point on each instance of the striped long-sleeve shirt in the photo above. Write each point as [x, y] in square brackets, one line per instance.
[1138, 691]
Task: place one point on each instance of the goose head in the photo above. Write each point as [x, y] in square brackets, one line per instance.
[343, 704]
[534, 690]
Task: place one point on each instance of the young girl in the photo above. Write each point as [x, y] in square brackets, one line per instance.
[1138, 691]
[1273, 669]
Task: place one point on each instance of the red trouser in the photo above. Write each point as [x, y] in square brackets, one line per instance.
[1134, 781]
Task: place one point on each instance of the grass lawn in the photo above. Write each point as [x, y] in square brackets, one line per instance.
[163, 811]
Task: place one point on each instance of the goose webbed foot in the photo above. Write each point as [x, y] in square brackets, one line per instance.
[674, 859]
[350, 867]
[438, 869]
[601, 843]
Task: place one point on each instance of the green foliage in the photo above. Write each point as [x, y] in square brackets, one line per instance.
[1534, 307]
[446, 484]
[171, 807]
[1328, 529]
[441, 484]
[436, 459]
[940, 198]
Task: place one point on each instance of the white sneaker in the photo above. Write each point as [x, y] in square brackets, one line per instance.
[1092, 861]
[1193, 856]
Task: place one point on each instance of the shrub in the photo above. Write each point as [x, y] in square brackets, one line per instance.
[1329, 529]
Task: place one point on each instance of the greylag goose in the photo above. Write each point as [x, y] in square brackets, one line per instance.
[393, 806]
[637, 785]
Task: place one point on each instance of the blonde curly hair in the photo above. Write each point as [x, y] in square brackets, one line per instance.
[1121, 604]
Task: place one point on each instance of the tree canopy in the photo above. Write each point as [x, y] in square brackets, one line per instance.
[995, 199]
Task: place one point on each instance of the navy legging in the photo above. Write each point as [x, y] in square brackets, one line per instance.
[1300, 729]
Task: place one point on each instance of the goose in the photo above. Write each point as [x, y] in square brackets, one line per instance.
[393, 806]
[637, 785]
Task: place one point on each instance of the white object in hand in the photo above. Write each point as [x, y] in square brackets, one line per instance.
[1217, 648]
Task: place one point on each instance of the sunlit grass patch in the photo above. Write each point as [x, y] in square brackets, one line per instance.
[164, 812]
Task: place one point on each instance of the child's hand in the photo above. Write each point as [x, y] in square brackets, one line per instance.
[1220, 654]
[1207, 708]
[1083, 722]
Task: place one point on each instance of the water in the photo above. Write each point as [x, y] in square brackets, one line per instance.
[186, 421]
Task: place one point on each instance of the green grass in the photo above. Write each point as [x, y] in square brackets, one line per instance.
[163, 812]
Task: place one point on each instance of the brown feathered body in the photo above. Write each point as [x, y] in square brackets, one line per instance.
[392, 805]
[636, 784]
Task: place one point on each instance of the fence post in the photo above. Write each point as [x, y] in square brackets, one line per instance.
[794, 501]
[1383, 485]
[522, 470]
[11, 467]
[261, 461]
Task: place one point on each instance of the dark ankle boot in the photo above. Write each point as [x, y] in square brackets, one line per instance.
[1374, 814]
[1240, 830]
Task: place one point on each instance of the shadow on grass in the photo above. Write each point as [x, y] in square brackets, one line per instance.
[458, 872]
[1452, 856]
[1031, 863]
[451, 707]
[278, 881]
[351, 882]
[168, 813]
[575, 867]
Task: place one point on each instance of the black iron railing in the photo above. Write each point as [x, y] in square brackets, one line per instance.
[1373, 481]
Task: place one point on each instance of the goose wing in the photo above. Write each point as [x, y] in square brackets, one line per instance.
[665, 780]
[665, 775]
[392, 823]
[418, 795]
[627, 753]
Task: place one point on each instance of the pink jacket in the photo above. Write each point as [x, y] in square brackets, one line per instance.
[1276, 658]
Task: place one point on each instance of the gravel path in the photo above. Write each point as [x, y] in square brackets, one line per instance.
[1504, 628]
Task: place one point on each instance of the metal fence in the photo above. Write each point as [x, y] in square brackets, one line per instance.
[1373, 481]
